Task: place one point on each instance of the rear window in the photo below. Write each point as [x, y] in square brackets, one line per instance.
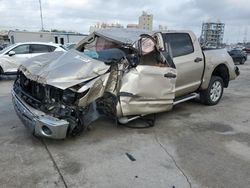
[180, 43]
[39, 48]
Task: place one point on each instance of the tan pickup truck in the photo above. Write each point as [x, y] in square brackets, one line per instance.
[122, 74]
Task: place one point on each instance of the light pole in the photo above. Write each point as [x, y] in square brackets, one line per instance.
[41, 14]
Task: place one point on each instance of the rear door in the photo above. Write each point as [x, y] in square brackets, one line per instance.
[38, 49]
[188, 59]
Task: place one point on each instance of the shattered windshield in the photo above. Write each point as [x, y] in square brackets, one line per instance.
[103, 49]
[98, 44]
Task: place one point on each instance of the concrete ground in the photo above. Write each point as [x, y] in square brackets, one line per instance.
[192, 146]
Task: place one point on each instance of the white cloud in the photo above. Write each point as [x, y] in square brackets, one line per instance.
[78, 15]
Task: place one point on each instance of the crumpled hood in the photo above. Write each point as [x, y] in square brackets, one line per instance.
[63, 69]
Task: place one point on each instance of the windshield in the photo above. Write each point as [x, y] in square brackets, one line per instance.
[98, 44]
[102, 49]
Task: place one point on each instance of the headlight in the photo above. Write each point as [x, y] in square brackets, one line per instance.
[69, 96]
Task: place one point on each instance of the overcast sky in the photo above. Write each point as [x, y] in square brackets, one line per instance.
[79, 15]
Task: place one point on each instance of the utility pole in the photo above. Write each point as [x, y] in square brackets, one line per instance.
[41, 14]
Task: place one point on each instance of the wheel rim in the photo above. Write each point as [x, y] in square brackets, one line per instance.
[215, 91]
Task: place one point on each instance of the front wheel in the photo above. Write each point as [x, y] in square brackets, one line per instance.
[213, 94]
[1, 72]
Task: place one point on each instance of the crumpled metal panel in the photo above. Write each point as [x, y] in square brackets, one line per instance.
[105, 83]
[124, 36]
[96, 89]
[63, 70]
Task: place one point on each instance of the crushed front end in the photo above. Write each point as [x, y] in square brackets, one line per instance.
[41, 109]
[56, 113]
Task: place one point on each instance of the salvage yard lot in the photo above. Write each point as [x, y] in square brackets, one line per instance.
[192, 146]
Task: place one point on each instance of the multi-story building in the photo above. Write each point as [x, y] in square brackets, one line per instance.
[146, 21]
[212, 34]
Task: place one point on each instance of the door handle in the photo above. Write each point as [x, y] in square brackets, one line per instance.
[170, 75]
[198, 59]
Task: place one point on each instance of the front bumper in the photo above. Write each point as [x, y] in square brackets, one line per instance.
[38, 122]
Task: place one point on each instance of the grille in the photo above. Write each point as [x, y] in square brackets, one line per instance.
[32, 88]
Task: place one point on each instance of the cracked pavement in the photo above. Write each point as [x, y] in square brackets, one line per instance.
[192, 146]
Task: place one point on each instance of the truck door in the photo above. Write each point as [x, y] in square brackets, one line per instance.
[149, 87]
[188, 59]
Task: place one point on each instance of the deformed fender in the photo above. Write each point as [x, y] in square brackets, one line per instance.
[213, 59]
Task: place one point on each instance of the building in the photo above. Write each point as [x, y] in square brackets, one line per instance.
[162, 27]
[146, 21]
[4, 39]
[212, 34]
[104, 25]
[56, 37]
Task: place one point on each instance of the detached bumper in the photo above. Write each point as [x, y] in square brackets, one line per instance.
[38, 122]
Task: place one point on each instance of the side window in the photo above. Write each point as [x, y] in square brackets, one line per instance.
[22, 49]
[39, 48]
[180, 43]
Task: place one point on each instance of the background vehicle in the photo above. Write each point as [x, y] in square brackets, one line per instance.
[69, 46]
[247, 50]
[238, 56]
[12, 56]
[121, 74]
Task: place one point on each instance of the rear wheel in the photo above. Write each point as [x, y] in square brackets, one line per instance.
[213, 94]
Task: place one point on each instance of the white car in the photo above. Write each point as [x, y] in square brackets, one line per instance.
[11, 57]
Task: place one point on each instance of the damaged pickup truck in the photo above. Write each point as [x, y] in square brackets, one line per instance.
[121, 74]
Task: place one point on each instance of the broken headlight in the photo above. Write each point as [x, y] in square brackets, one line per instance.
[69, 96]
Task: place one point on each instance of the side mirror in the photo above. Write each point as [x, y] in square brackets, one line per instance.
[11, 53]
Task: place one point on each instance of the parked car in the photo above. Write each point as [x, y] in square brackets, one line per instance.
[247, 50]
[12, 56]
[238, 56]
[122, 74]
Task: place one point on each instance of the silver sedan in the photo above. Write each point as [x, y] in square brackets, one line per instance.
[12, 56]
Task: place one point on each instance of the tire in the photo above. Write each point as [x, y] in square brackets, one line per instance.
[243, 61]
[1, 73]
[212, 95]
